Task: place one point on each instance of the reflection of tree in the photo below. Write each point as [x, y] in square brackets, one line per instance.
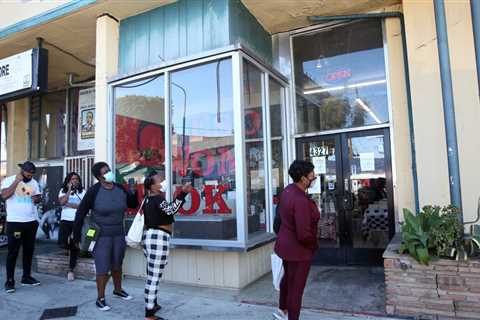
[139, 105]
[334, 112]
[358, 117]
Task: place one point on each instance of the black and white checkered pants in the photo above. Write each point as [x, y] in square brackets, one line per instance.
[155, 248]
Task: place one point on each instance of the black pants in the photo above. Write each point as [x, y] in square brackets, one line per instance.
[65, 241]
[20, 234]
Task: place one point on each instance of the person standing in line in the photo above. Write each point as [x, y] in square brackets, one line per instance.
[69, 197]
[297, 239]
[108, 202]
[21, 193]
[159, 218]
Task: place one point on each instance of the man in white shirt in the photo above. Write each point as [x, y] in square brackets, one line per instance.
[21, 194]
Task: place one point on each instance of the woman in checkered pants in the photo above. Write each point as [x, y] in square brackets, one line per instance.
[159, 217]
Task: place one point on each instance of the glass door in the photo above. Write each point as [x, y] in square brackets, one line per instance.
[354, 194]
[368, 201]
[324, 153]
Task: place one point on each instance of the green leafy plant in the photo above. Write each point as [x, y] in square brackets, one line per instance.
[415, 238]
[434, 231]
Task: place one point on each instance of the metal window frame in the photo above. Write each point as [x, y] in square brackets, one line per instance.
[237, 54]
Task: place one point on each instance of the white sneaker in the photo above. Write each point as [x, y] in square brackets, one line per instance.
[280, 315]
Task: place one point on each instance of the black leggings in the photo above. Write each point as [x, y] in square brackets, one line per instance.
[20, 234]
[65, 241]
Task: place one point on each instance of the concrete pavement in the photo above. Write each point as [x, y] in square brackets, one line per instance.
[179, 302]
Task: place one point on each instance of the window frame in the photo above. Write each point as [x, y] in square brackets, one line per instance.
[237, 54]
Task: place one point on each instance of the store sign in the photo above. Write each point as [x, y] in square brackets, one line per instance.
[86, 119]
[23, 74]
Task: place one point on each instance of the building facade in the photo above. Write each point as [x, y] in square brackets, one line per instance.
[227, 93]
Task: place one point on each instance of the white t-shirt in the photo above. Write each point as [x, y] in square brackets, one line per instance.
[20, 206]
[68, 214]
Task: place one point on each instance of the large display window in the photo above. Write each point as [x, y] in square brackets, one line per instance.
[216, 123]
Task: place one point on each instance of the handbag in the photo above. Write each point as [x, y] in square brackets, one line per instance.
[135, 233]
[91, 236]
[277, 271]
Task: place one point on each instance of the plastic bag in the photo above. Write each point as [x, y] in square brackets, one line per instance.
[277, 271]
[135, 233]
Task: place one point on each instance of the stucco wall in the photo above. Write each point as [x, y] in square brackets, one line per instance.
[427, 101]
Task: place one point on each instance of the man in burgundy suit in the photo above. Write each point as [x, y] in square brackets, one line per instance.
[297, 239]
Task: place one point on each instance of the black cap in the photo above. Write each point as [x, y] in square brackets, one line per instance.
[28, 166]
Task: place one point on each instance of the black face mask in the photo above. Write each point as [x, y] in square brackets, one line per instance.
[26, 180]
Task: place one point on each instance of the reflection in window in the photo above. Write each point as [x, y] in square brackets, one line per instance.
[203, 150]
[277, 167]
[254, 149]
[47, 125]
[139, 130]
[342, 84]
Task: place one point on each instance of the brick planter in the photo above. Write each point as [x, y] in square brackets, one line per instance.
[57, 264]
[445, 289]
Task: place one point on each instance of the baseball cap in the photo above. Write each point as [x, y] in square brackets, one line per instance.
[28, 166]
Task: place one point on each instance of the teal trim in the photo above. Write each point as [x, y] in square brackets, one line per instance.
[186, 28]
[45, 17]
[246, 30]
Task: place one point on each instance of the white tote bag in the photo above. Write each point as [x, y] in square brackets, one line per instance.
[135, 233]
[277, 271]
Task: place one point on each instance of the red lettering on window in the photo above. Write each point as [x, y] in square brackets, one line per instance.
[211, 199]
[195, 196]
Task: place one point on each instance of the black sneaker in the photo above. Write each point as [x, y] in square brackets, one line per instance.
[10, 286]
[122, 295]
[102, 305]
[30, 281]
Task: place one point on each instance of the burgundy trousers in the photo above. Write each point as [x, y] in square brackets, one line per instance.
[292, 287]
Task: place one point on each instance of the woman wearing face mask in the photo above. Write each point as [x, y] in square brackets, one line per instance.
[297, 239]
[108, 202]
[159, 217]
[69, 197]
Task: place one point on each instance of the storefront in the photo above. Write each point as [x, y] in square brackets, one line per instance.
[226, 94]
[236, 122]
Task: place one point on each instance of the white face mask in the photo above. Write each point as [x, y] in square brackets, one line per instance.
[109, 177]
[312, 184]
[163, 186]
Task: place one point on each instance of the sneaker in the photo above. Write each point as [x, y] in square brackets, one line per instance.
[102, 305]
[280, 315]
[30, 281]
[10, 286]
[122, 295]
[70, 276]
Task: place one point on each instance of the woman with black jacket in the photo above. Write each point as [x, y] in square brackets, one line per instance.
[108, 202]
[159, 218]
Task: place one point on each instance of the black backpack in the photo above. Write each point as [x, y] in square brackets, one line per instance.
[277, 221]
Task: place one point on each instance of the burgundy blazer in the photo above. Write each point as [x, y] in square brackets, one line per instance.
[297, 239]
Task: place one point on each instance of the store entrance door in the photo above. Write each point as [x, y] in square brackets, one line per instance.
[354, 193]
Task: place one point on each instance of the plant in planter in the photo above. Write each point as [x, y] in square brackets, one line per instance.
[434, 231]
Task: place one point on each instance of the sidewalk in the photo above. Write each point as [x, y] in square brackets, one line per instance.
[179, 302]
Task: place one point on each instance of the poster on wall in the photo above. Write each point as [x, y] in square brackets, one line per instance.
[86, 119]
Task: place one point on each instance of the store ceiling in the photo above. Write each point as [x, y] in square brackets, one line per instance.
[283, 15]
[73, 33]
